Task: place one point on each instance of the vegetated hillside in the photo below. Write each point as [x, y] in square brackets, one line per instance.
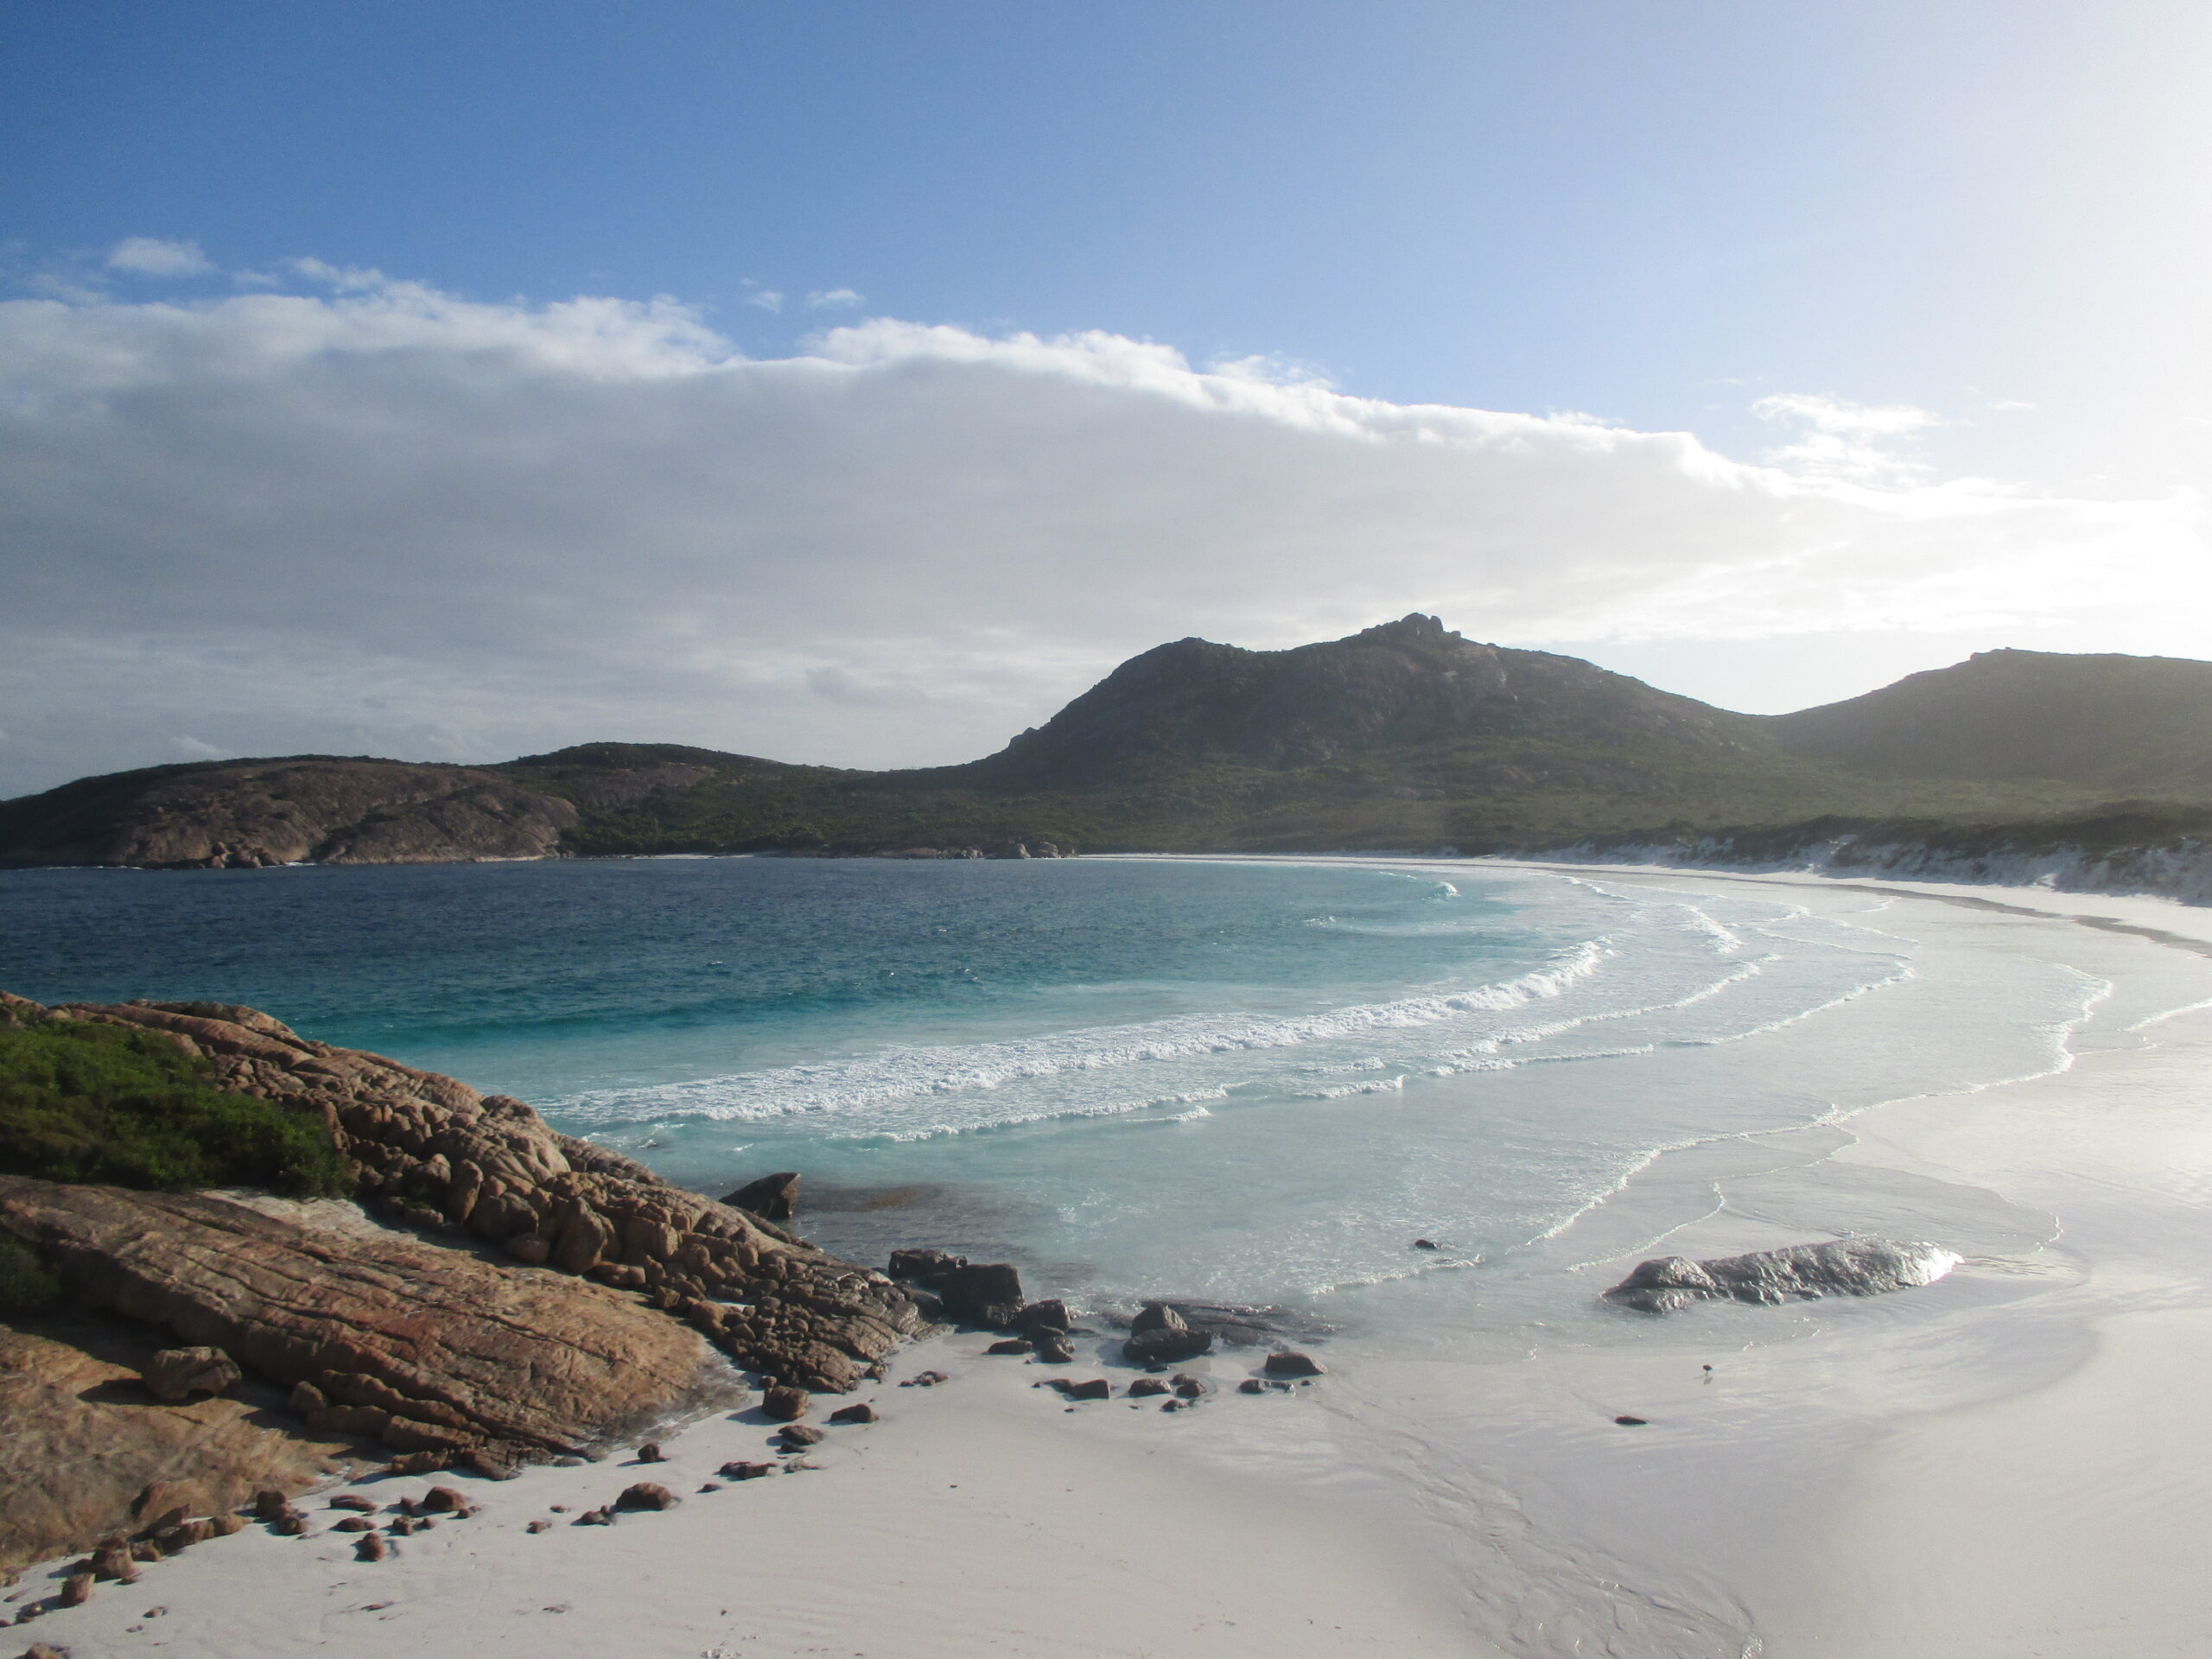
[2105, 723]
[320, 809]
[355, 809]
[2151, 847]
[1409, 684]
[1402, 736]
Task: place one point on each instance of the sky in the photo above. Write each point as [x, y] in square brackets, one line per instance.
[856, 383]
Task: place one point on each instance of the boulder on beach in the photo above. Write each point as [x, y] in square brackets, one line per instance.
[1850, 1267]
[1161, 1336]
[980, 1293]
[783, 1403]
[177, 1374]
[1051, 1314]
[973, 1293]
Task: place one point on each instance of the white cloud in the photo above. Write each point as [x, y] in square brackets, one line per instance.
[1846, 440]
[148, 256]
[391, 520]
[766, 298]
[346, 279]
[832, 298]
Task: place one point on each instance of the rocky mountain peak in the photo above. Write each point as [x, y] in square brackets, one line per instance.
[1399, 683]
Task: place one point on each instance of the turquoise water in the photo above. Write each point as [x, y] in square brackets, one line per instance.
[1257, 1080]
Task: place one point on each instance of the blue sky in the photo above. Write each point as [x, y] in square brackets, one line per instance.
[1657, 215]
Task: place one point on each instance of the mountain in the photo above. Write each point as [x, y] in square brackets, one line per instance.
[2104, 722]
[1402, 684]
[1403, 736]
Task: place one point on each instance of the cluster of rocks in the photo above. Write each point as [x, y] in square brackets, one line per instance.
[1160, 1334]
[161, 1528]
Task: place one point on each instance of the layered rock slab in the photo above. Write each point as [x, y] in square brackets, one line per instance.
[84, 1442]
[426, 1348]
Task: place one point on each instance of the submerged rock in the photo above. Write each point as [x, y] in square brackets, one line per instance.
[1850, 1267]
[773, 1198]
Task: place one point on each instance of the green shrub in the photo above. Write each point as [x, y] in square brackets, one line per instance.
[25, 1286]
[82, 1102]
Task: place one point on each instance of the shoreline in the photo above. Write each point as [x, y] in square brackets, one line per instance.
[2005, 1462]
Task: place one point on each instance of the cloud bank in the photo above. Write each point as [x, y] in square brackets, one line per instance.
[381, 519]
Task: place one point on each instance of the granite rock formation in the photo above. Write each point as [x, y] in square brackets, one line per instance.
[85, 1454]
[433, 1151]
[1851, 1267]
[377, 1332]
[316, 808]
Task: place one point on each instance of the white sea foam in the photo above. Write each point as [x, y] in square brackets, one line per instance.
[908, 1073]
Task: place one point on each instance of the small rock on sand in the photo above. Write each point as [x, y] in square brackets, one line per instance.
[1290, 1363]
[1096, 1388]
[798, 1434]
[745, 1470]
[783, 1403]
[1145, 1385]
[862, 1412]
[647, 1495]
[1005, 1345]
[372, 1547]
[650, 1452]
[176, 1374]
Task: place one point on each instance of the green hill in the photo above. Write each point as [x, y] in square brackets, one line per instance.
[1402, 736]
[2137, 724]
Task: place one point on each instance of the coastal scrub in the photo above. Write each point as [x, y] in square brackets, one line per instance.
[89, 1103]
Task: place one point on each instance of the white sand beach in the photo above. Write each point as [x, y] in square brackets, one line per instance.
[2012, 1461]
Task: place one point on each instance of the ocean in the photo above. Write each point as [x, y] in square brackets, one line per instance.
[1252, 1080]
